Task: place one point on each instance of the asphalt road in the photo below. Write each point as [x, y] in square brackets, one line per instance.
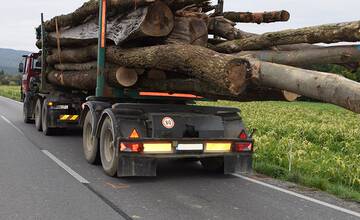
[34, 186]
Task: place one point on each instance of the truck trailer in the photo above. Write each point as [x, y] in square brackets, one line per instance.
[128, 131]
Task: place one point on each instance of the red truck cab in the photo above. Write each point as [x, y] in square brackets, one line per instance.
[30, 67]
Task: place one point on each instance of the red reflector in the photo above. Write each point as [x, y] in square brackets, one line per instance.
[241, 147]
[243, 135]
[131, 147]
[134, 134]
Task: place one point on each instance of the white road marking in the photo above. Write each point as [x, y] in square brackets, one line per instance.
[12, 100]
[66, 167]
[299, 195]
[10, 123]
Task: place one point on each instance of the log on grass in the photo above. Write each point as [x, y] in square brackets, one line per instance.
[331, 33]
[228, 72]
[308, 57]
[156, 20]
[260, 17]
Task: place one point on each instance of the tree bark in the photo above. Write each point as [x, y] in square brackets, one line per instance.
[188, 30]
[86, 80]
[76, 66]
[260, 17]
[222, 27]
[156, 20]
[91, 8]
[331, 33]
[308, 57]
[330, 88]
[228, 72]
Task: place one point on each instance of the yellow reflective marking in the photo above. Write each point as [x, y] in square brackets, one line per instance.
[157, 148]
[64, 117]
[218, 147]
[74, 118]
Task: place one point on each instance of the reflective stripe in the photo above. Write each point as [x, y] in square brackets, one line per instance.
[74, 118]
[68, 117]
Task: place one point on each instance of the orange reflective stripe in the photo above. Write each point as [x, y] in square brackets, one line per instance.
[103, 24]
[164, 94]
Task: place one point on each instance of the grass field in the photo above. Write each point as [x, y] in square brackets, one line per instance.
[12, 92]
[316, 145]
[313, 144]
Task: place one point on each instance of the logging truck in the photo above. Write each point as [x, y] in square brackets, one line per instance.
[51, 108]
[127, 130]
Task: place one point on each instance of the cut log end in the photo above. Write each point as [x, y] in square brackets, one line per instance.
[289, 96]
[159, 20]
[126, 77]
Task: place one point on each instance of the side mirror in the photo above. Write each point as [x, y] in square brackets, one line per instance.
[21, 67]
[38, 64]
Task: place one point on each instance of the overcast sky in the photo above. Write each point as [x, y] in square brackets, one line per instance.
[18, 18]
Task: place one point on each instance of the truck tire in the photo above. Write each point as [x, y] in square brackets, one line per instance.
[108, 156]
[213, 164]
[44, 120]
[37, 113]
[27, 110]
[90, 142]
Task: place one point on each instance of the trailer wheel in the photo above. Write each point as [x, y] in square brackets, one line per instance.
[26, 110]
[37, 113]
[44, 120]
[214, 164]
[90, 142]
[108, 156]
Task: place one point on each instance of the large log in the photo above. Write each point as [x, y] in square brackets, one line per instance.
[229, 72]
[308, 57]
[91, 8]
[156, 20]
[331, 33]
[330, 88]
[86, 80]
[259, 17]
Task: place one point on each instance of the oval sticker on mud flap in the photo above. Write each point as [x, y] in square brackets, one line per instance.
[168, 122]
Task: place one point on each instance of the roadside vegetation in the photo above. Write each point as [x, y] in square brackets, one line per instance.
[12, 92]
[313, 144]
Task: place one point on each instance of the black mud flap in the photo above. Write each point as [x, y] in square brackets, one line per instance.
[244, 164]
[136, 166]
[230, 163]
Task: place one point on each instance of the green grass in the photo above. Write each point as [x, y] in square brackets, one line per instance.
[12, 92]
[322, 140]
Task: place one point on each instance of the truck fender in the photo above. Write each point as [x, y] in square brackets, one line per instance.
[96, 108]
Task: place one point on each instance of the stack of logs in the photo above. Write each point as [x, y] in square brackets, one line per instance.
[164, 46]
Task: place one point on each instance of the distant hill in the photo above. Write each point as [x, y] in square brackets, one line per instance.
[10, 59]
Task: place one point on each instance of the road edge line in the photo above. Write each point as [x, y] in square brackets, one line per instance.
[10, 123]
[338, 208]
[77, 176]
[6, 98]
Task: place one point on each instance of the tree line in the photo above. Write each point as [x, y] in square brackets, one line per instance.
[6, 79]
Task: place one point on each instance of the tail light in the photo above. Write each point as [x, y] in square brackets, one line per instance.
[132, 147]
[243, 147]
